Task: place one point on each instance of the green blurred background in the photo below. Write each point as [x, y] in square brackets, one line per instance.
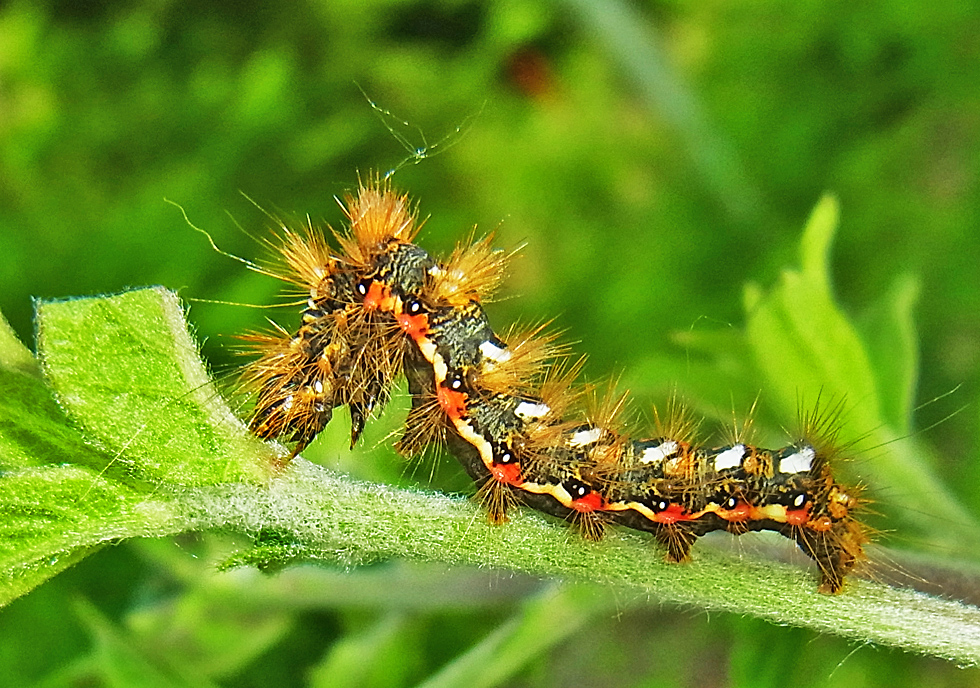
[653, 157]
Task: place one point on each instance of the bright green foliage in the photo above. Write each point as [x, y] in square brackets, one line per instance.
[651, 157]
[147, 399]
[126, 370]
[811, 357]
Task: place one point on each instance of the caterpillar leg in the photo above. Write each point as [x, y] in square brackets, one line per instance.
[299, 411]
[836, 551]
[677, 540]
[495, 498]
[591, 526]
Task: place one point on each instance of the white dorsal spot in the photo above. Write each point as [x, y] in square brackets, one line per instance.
[494, 352]
[798, 462]
[659, 453]
[730, 458]
[527, 410]
[583, 437]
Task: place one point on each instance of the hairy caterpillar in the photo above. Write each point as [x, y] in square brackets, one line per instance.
[507, 410]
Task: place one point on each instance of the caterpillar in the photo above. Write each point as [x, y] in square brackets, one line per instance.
[507, 406]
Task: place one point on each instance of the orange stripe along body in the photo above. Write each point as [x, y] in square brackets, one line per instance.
[384, 305]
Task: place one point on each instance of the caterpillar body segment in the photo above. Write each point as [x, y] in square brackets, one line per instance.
[347, 350]
[383, 305]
